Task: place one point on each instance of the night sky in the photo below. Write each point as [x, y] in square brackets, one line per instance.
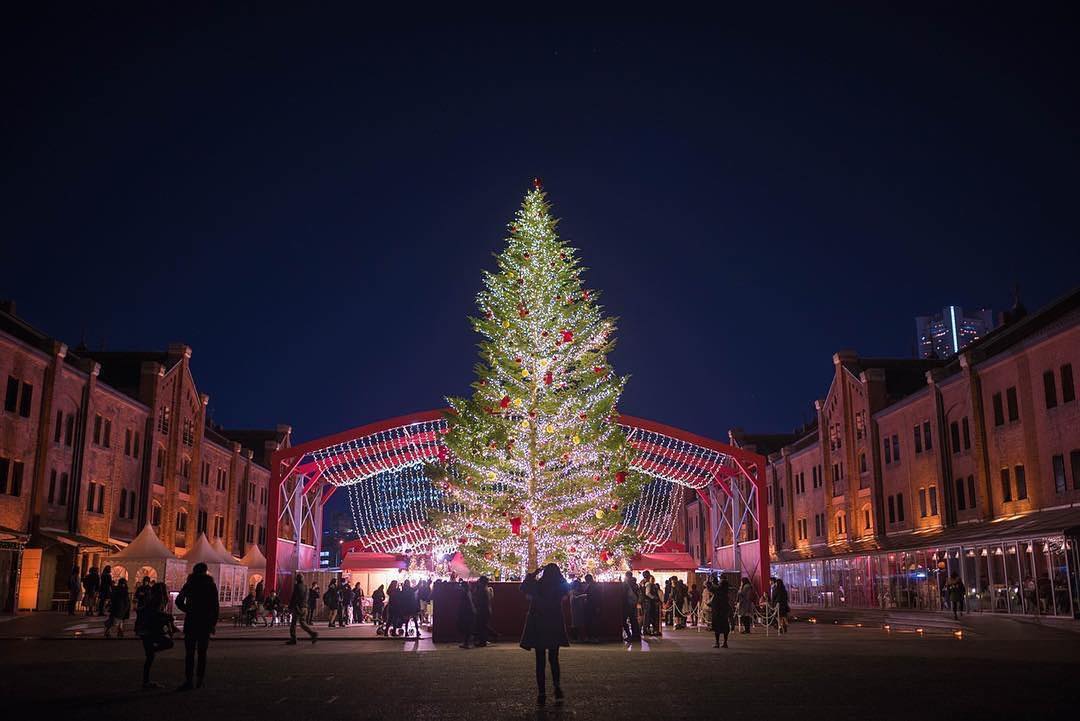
[308, 200]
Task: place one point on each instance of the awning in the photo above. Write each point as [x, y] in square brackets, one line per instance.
[1059, 521]
[663, 562]
[76, 539]
[361, 561]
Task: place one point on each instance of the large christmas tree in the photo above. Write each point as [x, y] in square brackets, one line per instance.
[539, 468]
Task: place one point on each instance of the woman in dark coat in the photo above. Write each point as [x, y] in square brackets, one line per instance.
[377, 600]
[720, 605]
[119, 609]
[154, 627]
[544, 626]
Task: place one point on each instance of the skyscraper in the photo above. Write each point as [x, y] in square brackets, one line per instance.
[946, 333]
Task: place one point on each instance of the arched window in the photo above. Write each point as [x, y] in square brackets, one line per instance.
[181, 521]
[868, 522]
[841, 524]
[155, 515]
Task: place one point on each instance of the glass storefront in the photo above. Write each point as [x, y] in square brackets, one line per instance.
[1036, 576]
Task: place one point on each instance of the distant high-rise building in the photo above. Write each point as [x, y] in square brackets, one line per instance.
[944, 334]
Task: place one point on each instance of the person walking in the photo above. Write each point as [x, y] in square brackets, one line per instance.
[330, 600]
[545, 631]
[466, 614]
[312, 602]
[142, 594]
[378, 602]
[119, 609]
[345, 601]
[74, 586]
[297, 604]
[746, 601]
[91, 581]
[720, 605]
[198, 599]
[780, 600]
[358, 603]
[630, 604]
[482, 605]
[105, 589]
[154, 627]
[955, 590]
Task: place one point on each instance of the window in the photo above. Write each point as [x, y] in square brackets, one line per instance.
[836, 472]
[93, 492]
[1006, 485]
[1010, 402]
[972, 498]
[185, 468]
[24, 400]
[922, 502]
[59, 426]
[205, 479]
[222, 479]
[933, 501]
[896, 448]
[892, 509]
[888, 451]
[219, 526]
[841, 524]
[999, 413]
[900, 507]
[163, 419]
[250, 533]
[11, 400]
[1021, 483]
[200, 522]
[11, 477]
[97, 429]
[135, 446]
[155, 514]
[813, 476]
[866, 518]
[960, 504]
[69, 431]
[100, 498]
[251, 497]
[262, 534]
[928, 440]
[107, 435]
[954, 434]
[127, 441]
[52, 486]
[1060, 482]
[862, 463]
[966, 430]
[1068, 390]
[123, 503]
[189, 432]
[181, 521]
[781, 497]
[1050, 389]
[817, 525]
[917, 435]
[62, 500]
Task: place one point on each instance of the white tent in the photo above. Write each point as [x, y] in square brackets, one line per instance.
[146, 555]
[255, 562]
[230, 576]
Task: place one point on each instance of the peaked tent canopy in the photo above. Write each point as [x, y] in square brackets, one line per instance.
[146, 555]
[218, 546]
[254, 559]
[231, 577]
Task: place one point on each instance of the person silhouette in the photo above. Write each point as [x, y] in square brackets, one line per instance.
[545, 630]
[198, 599]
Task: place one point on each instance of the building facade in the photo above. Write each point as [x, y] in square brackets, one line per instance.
[916, 470]
[945, 334]
[95, 445]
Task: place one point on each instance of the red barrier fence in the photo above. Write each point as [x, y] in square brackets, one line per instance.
[510, 606]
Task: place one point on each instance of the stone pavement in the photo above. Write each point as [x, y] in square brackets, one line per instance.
[823, 670]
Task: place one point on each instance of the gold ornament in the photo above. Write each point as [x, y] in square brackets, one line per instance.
[550, 428]
[577, 439]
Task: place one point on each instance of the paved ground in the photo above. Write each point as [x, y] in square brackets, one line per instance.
[817, 671]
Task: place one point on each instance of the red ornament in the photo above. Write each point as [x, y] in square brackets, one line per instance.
[573, 549]
[462, 541]
[505, 402]
[515, 525]
[568, 336]
[538, 183]
[584, 295]
[517, 360]
[442, 454]
[468, 526]
[532, 414]
[547, 378]
[446, 486]
[620, 477]
[604, 556]
[488, 409]
[598, 369]
[527, 256]
[444, 431]
[541, 463]
[543, 334]
[582, 415]
[614, 506]
[523, 311]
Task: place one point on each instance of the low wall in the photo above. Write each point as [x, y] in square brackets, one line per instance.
[510, 606]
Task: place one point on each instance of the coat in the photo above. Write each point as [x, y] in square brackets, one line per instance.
[298, 599]
[720, 605]
[121, 604]
[747, 600]
[544, 626]
[780, 599]
[198, 599]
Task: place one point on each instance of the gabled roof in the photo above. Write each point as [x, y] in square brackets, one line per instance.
[903, 376]
[123, 369]
[256, 441]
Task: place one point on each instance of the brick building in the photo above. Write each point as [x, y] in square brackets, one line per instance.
[916, 469]
[94, 445]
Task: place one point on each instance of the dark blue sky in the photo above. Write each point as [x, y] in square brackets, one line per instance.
[307, 200]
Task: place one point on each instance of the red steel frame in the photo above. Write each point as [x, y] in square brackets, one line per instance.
[288, 461]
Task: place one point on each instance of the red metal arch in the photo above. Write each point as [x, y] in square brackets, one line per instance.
[298, 460]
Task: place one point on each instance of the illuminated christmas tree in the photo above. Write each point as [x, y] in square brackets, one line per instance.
[538, 468]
